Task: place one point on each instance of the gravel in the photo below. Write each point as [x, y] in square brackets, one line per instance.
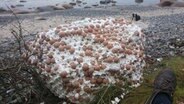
[163, 24]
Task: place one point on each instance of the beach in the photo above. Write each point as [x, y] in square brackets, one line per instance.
[163, 28]
[159, 24]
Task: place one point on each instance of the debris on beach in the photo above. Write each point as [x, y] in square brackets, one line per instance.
[79, 58]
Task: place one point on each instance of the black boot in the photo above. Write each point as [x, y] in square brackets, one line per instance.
[165, 82]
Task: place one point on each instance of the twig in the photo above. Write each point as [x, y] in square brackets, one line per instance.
[103, 94]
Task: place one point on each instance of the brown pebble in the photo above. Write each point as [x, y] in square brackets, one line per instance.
[115, 50]
[68, 47]
[87, 89]
[57, 31]
[50, 55]
[52, 60]
[61, 48]
[80, 60]
[85, 67]
[97, 67]
[76, 84]
[62, 34]
[116, 59]
[88, 53]
[56, 44]
[99, 80]
[48, 61]
[105, 81]
[102, 66]
[109, 59]
[128, 51]
[72, 50]
[109, 46]
[93, 81]
[48, 69]
[73, 65]
[63, 74]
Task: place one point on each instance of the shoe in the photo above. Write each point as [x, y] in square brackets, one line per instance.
[165, 82]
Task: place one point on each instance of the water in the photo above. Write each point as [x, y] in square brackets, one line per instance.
[38, 3]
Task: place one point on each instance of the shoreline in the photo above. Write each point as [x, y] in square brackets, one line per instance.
[160, 23]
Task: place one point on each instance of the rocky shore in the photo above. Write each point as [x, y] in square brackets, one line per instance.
[162, 25]
[163, 28]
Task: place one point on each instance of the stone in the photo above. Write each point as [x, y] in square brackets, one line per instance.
[168, 0]
[95, 5]
[22, 1]
[58, 7]
[12, 6]
[84, 3]
[105, 1]
[45, 8]
[178, 4]
[87, 7]
[113, 1]
[22, 11]
[165, 3]
[19, 5]
[41, 18]
[73, 3]
[67, 6]
[2, 10]
[79, 1]
[138, 1]
[113, 4]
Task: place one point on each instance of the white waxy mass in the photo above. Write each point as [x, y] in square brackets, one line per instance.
[79, 58]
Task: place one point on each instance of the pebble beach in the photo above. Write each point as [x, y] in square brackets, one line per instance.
[160, 24]
[163, 27]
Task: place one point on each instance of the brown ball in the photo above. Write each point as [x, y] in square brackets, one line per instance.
[63, 74]
[85, 67]
[88, 53]
[48, 69]
[73, 65]
[72, 50]
[97, 67]
[87, 89]
[62, 34]
[109, 59]
[61, 48]
[80, 60]
[109, 46]
[56, 44]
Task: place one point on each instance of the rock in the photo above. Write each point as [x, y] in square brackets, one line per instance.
[21, 11]
[58, 7]
[45, 8]
[168, 0]
[12, 6]
[138, 1]
[2, 10]
[113, 1]
[178, 4]
[84, 3]
[73, 3]
[79, 1]
[113, 4]
[87, 7]
[67, 6]
[19, 5]
[95, 5]
[105, 1]
[165, 3]
[23, 1]
[40, 18]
